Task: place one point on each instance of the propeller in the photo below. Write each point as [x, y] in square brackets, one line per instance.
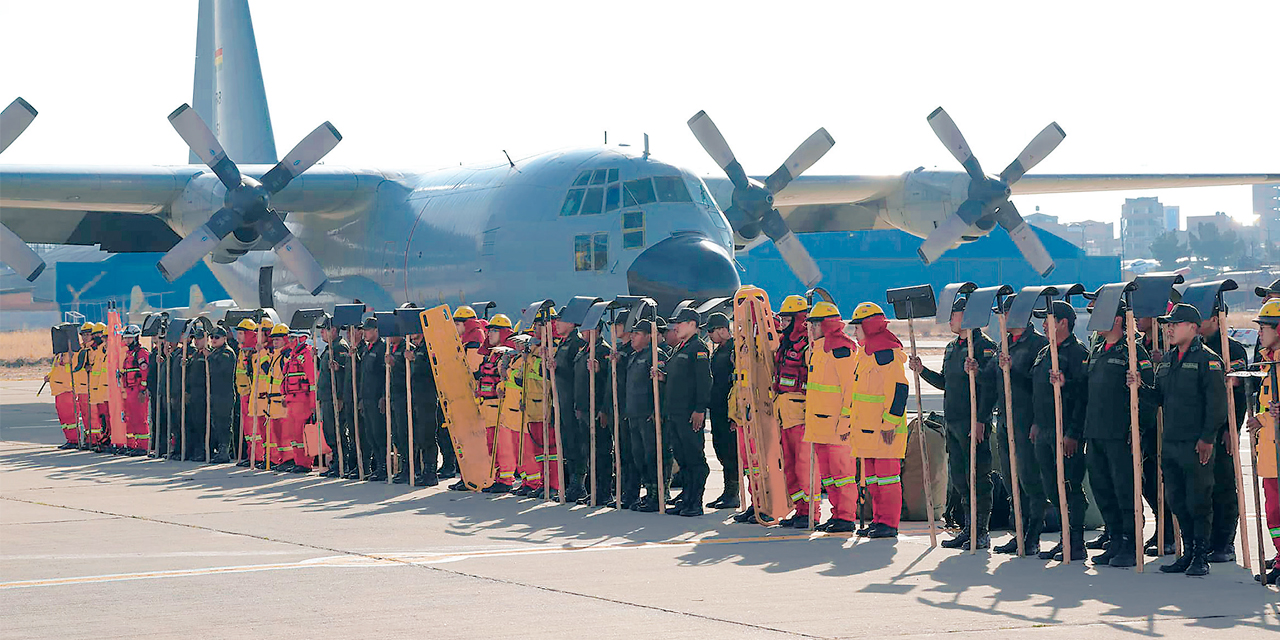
[247, 202]
[988, 198]
[13, 121]
[752, 210]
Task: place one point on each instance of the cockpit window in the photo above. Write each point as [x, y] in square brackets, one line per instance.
[591, 252]
[598, 177]
[571, 203]
[671, 189]
[583, 179]
[613, 175]
[611, 198]
[593, 202]
[637, 192]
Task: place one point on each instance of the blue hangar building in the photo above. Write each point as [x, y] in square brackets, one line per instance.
[859, 266]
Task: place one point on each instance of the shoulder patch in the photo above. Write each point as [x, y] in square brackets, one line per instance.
[703, 355]
[884, 356]
[841, 352]
[988, 353]
[1214, 365]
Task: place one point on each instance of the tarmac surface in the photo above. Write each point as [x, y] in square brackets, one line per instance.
[96, 546]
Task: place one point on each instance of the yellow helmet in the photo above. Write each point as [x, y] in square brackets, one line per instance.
[823, 310]
[265, 324]
[1270, 313]
[499, 320]
[464, 313]
[281, 329]
[248, 325]
[794, 304]
[866, 310]
[100, 328]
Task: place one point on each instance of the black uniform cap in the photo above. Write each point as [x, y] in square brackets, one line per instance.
[369, 323]
[717, 321]
[622, 316]
[219, 332]
[959, 304]
[1263, 292]
[643, 326]
[1181, 312]
[685, 315]
[1061, 310]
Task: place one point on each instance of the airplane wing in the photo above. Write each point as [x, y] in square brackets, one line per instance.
[121, 208]
[126, 209]
[1076, 183]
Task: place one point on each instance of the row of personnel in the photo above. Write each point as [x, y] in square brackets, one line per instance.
[840, 402]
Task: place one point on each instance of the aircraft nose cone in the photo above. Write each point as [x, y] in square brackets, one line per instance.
[683, 267]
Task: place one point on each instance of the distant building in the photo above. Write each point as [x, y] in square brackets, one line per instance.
[1141, 221]
[1096, 238]
[1266, 205]
[1048, 223]
[1172, 218]
[1219, 219]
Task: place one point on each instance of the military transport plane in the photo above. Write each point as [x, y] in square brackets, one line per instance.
[601, 221]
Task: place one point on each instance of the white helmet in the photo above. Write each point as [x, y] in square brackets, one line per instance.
[132, 331]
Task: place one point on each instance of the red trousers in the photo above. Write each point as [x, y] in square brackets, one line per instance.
[884, 481]
[137, 434]
[513, 457]
[1271, 494]
[795, 465]
[297, 413]
[65, 405]
[839, 474]
[491, 440]
[544, 449]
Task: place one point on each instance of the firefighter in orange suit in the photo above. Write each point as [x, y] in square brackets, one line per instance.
[247, 337]
[296, 384]
[878, 405]
[1263, 429]
[64, 401]
[81, 376]
[489, 382]
[271, 409]
[790, 372]
[521, 411]
[134, 366]
[826, 416]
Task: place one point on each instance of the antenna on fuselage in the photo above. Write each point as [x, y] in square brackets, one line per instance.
[646, 146]
[606, 138]
[513, 164]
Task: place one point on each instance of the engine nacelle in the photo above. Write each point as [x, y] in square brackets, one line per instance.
[926, 199]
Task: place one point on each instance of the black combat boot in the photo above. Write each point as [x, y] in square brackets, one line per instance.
[1010, 547]
[1078, 550]
[797, 521]
[838, 525]
[1100, 542]
[1224, 549]
[960, 541]
[1272, 576]
[576, 489]
[1199, 559]
[881, 530]
[746, 517]
[1113, 548]
[1180, 565]
[1056, 551]
[1126, 555]
[1031, 539]
[497, 487]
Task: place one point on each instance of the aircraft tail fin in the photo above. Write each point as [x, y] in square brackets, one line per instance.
[228, 91]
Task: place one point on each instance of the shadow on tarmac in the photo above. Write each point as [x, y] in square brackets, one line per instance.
[1130, 596]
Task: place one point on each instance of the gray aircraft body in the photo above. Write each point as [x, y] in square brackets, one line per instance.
[602, 221]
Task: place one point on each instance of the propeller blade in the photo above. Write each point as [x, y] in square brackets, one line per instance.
[1042, 145]
[793, 252]
[293, 254]
[941, 239]
[14, 120]
[306, 153]
[1025, 238]
[947, 131]
[715, 145]
[197, 244]
[202, 142]
[19, 256]
[809, 152]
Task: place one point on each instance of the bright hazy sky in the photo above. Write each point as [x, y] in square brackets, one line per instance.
[1138, 86]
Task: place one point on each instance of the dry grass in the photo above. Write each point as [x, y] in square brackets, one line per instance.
[21, 348]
